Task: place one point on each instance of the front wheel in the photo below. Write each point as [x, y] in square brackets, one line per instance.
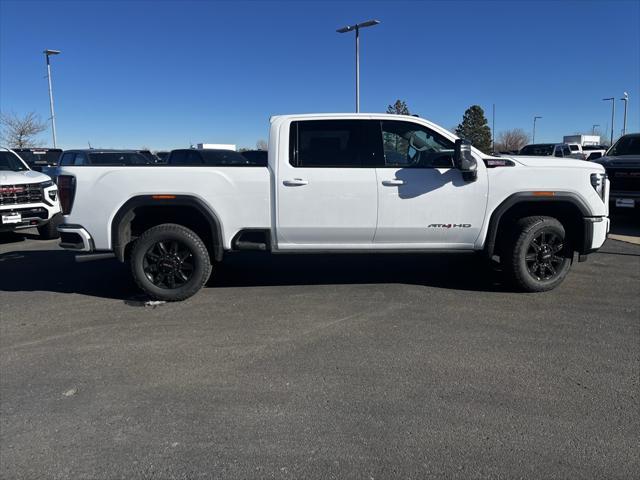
[537, 258]
[170, 262]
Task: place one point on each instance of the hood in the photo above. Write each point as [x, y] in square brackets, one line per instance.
[8, 177]
[550, 162]
[632, 161]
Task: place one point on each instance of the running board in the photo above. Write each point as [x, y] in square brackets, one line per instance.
[245, 245]
[94, 256]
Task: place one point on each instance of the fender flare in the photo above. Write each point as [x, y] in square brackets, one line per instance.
[526, 197]
[121, 223]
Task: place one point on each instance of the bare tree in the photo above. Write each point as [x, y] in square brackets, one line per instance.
[511, 140]
[21, 132]
[262, 145]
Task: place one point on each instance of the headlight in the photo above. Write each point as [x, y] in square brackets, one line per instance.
[597, 182]
[47, 184]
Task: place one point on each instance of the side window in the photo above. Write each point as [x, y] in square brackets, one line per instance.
[67, 159]
[558, 152]
[327, 144]
[194, 158]
[566, 151]
[407, 144]
[80, 159]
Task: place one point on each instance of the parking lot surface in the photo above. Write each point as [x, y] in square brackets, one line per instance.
[313, 366]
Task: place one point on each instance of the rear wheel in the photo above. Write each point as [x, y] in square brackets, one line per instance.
[537, 258]
[170, 262]
[49, 230]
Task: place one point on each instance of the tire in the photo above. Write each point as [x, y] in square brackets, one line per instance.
[538, 257]
[170, 262]
[49, 230]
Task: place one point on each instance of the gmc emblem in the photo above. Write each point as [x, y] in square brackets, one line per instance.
[11, 190]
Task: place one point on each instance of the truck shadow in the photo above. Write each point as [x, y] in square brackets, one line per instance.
[57, 271]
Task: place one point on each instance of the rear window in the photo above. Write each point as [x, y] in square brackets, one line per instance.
[40, 157]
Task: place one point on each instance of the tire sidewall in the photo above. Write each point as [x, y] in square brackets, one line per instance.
[202, 265]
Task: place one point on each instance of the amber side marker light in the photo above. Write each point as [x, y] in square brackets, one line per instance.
[163, 197]
[544, 194]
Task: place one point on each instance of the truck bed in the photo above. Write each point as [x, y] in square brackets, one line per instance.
[239, 196]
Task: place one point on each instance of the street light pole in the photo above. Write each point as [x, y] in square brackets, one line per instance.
[356, 28]
[625, 99]
[48, 53]
[533, 140]
[613, 113]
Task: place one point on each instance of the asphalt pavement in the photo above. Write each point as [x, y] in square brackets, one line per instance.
[303, 366]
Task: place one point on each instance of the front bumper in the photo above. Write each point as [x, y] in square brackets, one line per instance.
[596, 230]
[75, 237]
[31, 216]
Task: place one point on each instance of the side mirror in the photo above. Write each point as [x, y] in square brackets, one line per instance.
[463, 160]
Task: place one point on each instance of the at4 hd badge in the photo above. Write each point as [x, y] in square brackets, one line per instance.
[449, 225]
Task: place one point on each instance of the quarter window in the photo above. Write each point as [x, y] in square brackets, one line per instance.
[407, 144]
[67, 159]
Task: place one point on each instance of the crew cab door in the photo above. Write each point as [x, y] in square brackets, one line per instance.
[423, 201]
[326, 191]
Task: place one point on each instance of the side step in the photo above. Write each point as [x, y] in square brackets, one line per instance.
[252, 239]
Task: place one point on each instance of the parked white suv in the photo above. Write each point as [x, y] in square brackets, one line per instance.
[27, 198]
[339, 183]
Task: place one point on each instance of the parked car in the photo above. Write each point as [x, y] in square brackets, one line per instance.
[38, 158]
[339, 183]
[576, 151]
[256, 157]
[593, 152]
[622, 163]
[547, 150]
[163, 156]
[207, 156]
[27, 198]
[103, 157]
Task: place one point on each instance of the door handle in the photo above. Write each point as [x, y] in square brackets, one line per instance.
[392, 183]
[296, 182]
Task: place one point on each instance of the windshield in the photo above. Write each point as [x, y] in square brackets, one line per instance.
[544, 149]
[626, 146]
[8, 161]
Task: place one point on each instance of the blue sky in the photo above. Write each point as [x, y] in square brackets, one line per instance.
[166, 73]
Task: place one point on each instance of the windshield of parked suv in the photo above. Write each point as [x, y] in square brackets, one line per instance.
[538, 149]
[626, 146]
[8, 161]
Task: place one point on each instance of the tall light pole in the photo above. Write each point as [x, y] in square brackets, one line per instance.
[625, 99]
[357, 27]
[47, 54]
[613, 113]
[593, 128]
[533, 140]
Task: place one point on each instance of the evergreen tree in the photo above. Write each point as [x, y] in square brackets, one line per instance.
[399, 108]
[475, 128]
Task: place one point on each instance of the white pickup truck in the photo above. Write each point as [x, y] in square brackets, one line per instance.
[339, 183]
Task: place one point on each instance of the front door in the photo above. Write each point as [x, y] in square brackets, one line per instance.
[423, 201]
[327, 194]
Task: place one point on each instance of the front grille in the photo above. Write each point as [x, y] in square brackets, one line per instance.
[624, 179]
[19, 194]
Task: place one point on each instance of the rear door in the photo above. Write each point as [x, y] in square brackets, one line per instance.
[326, 189]
[423, 201]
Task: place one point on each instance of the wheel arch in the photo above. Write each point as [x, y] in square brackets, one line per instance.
[562, 205]
[161, 204]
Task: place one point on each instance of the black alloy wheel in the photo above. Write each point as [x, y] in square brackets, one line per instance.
[168, 264]
[544, 257]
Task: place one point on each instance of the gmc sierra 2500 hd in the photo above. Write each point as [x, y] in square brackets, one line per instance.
[339, 183]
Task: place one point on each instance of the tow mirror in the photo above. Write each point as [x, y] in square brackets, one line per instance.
[464, 161]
